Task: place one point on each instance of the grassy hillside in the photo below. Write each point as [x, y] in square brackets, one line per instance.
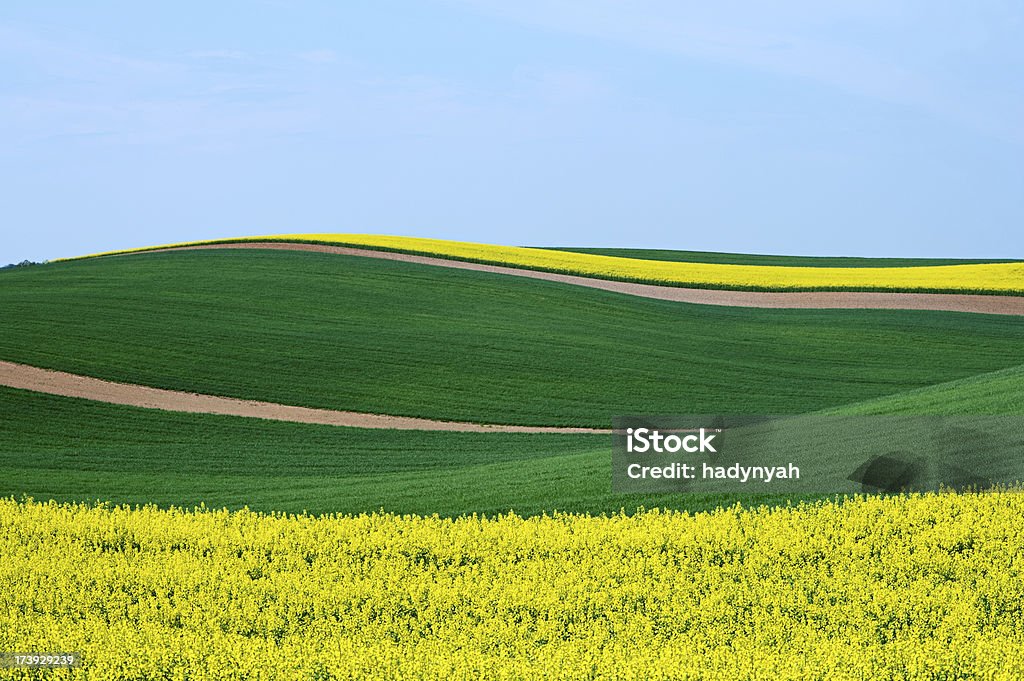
[387, 337]
[998, 392]
[69, 449]
[995, 278]
[774, 260]
[76, 450]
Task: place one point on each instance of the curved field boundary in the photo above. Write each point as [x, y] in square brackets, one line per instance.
[947, 302]
[776, 260]
[988, 279]
[73, 385]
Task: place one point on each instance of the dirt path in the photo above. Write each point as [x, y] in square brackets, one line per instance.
[72, 385]
[950, 302]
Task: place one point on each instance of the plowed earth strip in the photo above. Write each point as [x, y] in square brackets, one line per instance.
[72, 385]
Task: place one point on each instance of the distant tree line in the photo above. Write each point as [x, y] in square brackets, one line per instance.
[23, 263]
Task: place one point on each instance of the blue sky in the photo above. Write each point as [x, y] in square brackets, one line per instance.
[853, 127]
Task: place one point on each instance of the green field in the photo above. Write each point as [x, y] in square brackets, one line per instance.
[778, 260]
[75, 450]
[69, 449]
[386, 337]
[998, 392]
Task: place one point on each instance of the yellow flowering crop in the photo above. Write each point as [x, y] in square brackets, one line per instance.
[995, 277]
[870, 588]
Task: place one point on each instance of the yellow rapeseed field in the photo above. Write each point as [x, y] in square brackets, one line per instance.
[994, 278]
[870, 588]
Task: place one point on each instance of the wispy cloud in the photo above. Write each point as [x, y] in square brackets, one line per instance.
[319, 56]
[79, 87]
[908, 53]
[217, 54]
[565, 84]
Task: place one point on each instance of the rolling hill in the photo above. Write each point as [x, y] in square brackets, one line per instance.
[412, 340]
[72, 450]
[387, 337]
[996, 277]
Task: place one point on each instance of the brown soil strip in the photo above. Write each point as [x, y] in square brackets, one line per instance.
[949, 302]
[72, 385]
